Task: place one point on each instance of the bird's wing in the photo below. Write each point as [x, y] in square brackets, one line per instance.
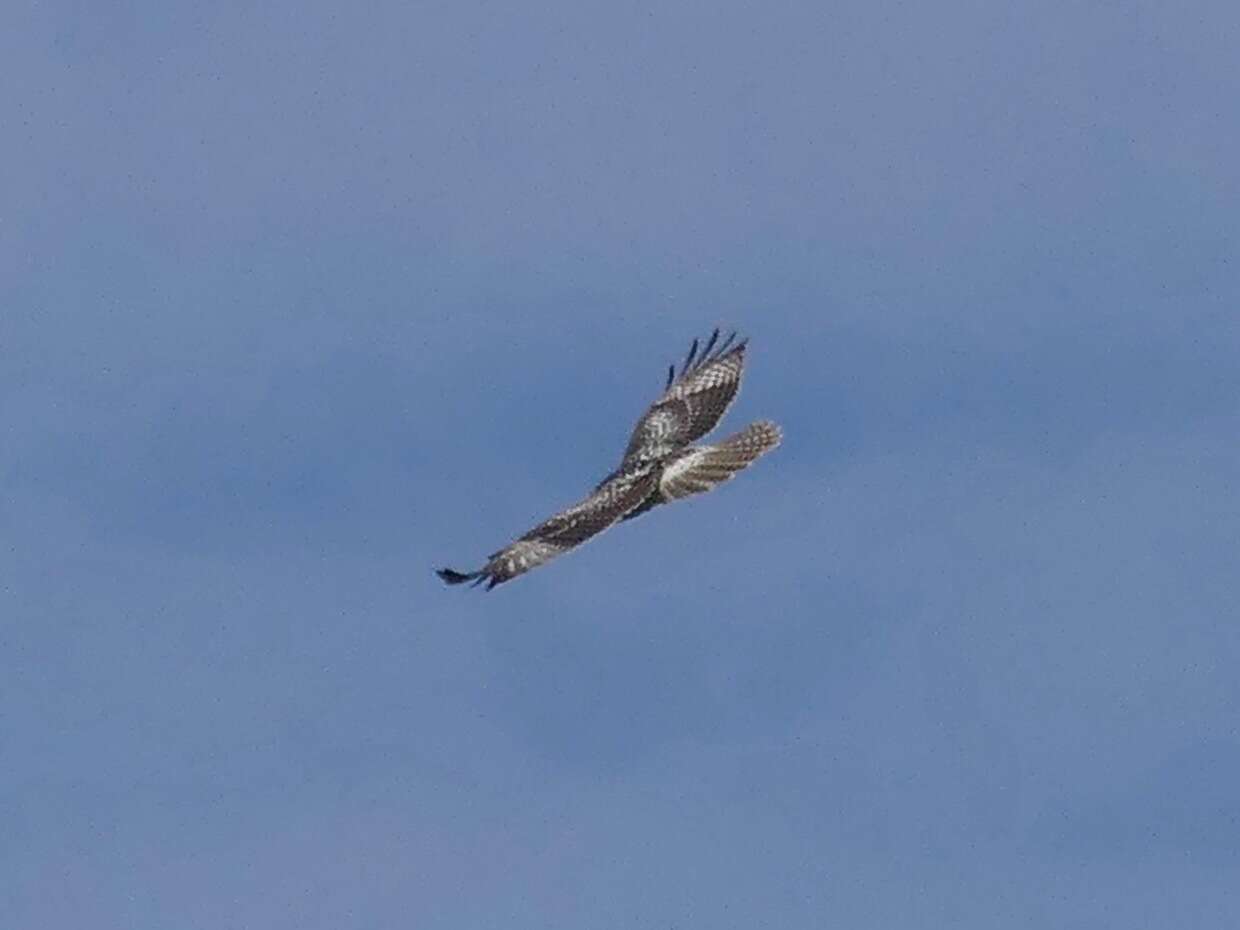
[566, 530]
[703, 468]
[693, 401]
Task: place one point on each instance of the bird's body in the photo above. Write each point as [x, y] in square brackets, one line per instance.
[659, 466]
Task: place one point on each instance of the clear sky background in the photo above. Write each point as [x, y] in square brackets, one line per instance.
[300, 301]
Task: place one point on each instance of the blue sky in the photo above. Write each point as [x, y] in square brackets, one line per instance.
[300, 302]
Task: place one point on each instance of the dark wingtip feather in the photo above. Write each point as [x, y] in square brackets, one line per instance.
[710, 352]
[689, 358]
[714, 337]
[455, 577]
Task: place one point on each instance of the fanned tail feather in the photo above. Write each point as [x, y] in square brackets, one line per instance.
[702, 468]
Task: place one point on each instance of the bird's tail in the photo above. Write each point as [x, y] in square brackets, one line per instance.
[454, 577]
[700, 468]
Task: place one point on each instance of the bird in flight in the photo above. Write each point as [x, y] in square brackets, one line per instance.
[659, 466]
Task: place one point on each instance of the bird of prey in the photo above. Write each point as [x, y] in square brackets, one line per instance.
[660, 464]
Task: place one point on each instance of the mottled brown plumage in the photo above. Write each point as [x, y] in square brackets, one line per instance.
[659, 464]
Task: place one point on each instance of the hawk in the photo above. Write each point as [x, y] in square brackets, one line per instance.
[659, 466]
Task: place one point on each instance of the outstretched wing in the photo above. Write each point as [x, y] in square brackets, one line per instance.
[566, 530]
[703, 468]
[692, 403]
